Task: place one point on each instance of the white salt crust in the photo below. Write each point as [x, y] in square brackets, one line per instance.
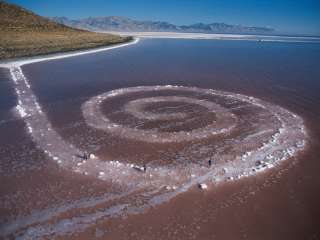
[160, 183]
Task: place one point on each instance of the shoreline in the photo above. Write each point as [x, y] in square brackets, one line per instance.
[218, 36]
[18, 62]
[7, 63]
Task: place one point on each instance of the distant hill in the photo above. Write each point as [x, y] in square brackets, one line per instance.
[114, 23]
[24, 33]
[17, 19]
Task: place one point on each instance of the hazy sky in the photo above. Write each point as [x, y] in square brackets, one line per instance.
[288, 16]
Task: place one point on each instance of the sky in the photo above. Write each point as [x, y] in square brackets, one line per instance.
[286, 16]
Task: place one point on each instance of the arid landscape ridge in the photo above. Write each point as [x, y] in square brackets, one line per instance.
[117, 23]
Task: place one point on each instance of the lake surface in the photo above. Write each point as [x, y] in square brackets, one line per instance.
[281, 203]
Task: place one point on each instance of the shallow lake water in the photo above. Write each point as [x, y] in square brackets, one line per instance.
[41, 198]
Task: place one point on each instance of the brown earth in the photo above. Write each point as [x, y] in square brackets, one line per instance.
[23, 33]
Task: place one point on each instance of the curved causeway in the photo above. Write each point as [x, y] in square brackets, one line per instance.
[217, 136]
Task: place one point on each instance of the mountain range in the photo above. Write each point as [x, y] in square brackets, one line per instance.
[123, 24]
